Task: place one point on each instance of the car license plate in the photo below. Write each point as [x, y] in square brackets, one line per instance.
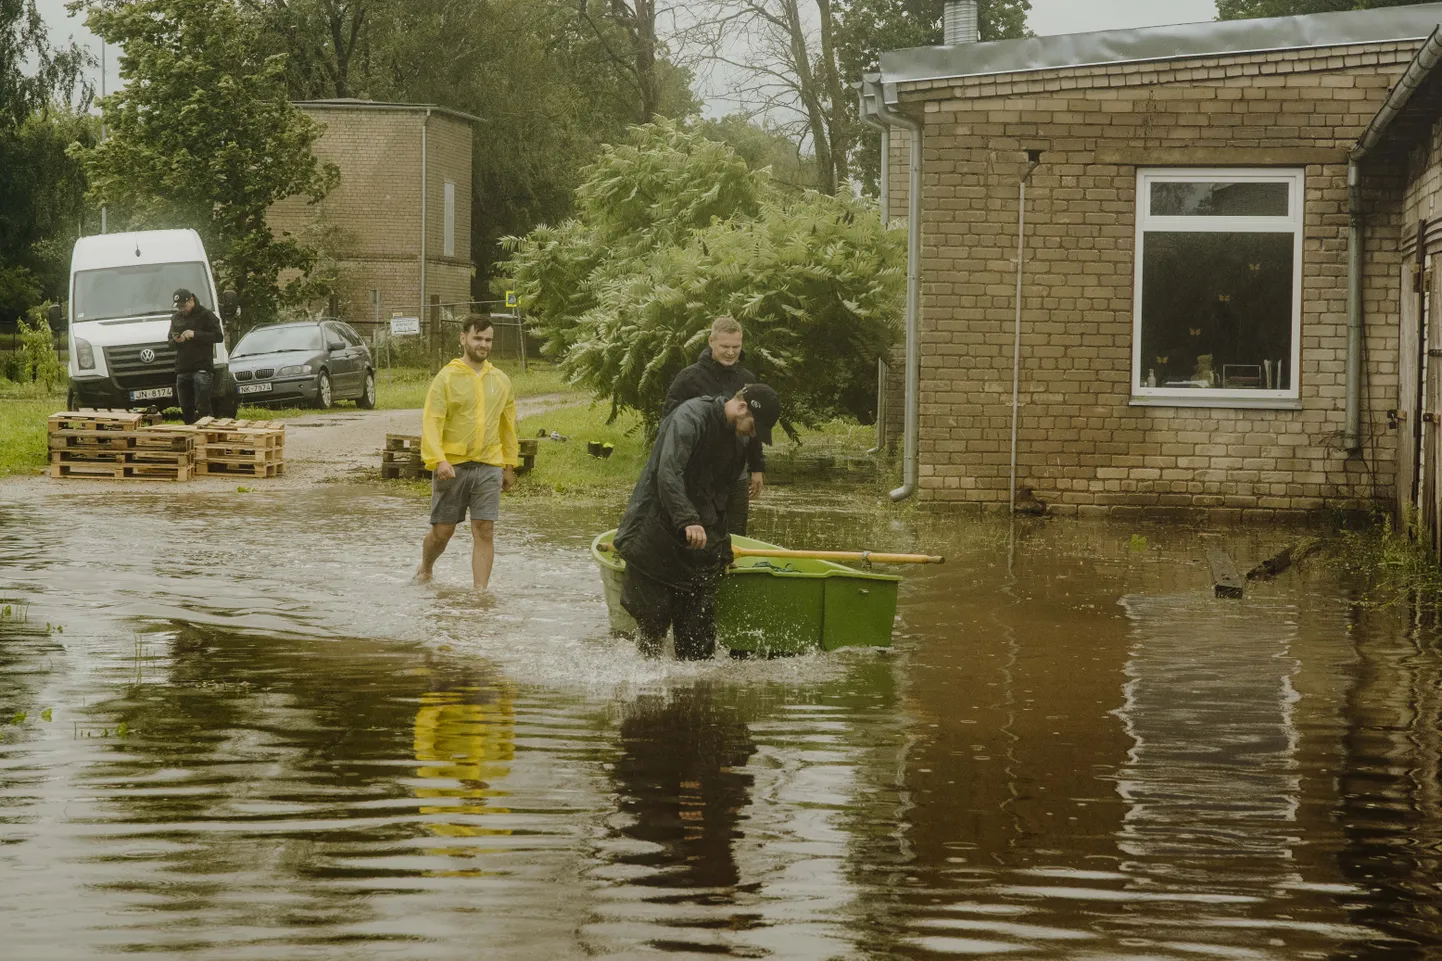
[154, 393]
[254, 388]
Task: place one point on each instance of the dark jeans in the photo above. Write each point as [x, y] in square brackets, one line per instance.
[690, 614]
[738, 507]
[192, 393]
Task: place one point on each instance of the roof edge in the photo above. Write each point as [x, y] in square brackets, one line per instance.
[352, 103]
[1150, 44]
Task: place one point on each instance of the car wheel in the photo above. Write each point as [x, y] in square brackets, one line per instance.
[367, 399]
[70, 400]
[322, 391]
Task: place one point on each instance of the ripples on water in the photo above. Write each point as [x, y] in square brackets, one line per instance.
[254, 739]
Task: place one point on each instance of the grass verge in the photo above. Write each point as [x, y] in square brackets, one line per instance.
[565, 467]
[23, 412]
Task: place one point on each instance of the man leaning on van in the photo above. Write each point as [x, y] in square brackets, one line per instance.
[194, 331]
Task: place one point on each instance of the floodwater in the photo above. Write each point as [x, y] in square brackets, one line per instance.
[232, 729]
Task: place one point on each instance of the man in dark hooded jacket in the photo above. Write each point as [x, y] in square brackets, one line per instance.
[194, 331]
[673, 535]
[718, 372]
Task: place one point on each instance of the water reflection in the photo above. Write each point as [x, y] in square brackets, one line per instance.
[1073, 752]
[682, 780]
[465, 743]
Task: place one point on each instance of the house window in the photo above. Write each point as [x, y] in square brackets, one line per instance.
[448, 244]
[1217, 319]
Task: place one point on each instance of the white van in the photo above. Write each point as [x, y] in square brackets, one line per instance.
[121, 287]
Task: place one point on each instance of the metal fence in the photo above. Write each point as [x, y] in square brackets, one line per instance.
[401, 339]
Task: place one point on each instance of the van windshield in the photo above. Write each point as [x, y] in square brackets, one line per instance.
[137, 290]
[275, 340]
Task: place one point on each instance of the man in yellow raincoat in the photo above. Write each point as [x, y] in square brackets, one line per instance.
[469, 443]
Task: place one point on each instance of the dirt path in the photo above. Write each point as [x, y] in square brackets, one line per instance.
[319, 449]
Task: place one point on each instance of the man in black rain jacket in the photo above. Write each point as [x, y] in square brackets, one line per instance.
[718, 372]
[673, 535]
[194, 331]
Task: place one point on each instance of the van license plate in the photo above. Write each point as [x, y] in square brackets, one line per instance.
[254, 388]
[155, 393]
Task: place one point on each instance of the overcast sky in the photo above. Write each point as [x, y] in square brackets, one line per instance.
[1047, 17]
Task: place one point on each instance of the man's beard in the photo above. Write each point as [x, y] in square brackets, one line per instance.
[477, 356]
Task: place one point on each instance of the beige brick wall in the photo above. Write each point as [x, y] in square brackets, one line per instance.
[374, 213]
[1082, 447]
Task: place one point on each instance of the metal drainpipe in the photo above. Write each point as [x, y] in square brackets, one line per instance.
[1352, 432]
[872, 122]
[911, 438]
[425, 123]
[1033, 160]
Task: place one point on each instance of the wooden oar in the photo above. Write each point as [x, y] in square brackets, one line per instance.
[861, 556]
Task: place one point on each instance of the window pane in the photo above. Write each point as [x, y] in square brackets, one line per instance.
[1217, 310]
[1214, 199]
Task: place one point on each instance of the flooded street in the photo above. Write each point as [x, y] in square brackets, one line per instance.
[239, 732]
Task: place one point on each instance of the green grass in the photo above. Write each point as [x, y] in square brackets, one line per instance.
[564, 467]
[23, 412]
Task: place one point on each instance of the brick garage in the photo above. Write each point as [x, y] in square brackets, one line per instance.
[372, 220]
[1094, 436]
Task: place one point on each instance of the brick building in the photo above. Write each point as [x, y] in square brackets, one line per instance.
[1186, 288]
[372, 222]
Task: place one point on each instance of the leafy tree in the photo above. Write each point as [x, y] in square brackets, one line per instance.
[674, 230]
[1251, 9]
[866, 28]
[203, 135]
[762, 146]
[41, 190]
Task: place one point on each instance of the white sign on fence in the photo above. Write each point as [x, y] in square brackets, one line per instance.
[405, 326]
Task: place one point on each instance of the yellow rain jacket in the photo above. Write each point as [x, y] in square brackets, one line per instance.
[469, 417]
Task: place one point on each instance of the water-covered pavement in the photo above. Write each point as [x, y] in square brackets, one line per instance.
[239, 732]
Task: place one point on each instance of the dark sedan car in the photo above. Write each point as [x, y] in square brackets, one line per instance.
[316, 362]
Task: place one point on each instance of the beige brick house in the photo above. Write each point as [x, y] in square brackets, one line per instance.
[372, 222]
[1184, 321]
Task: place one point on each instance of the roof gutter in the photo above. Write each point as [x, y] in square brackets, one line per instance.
[871, 97]
[1417, 72]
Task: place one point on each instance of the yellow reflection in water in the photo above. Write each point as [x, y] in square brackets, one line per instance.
[465, 742]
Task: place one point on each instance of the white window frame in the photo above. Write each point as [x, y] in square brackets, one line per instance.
[448, 236]
[1142, 395]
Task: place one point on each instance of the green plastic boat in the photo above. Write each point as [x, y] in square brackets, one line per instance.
[780, 606]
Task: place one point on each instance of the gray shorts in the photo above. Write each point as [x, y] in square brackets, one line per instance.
[476, 486]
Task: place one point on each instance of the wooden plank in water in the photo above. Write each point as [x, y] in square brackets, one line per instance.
[1227, 581]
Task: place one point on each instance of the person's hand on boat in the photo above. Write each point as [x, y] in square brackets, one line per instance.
[508, 478]
[758, 481]
[444, 471]
[696, 536]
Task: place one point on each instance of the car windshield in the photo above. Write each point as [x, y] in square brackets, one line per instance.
[138, 290]
[273, 340]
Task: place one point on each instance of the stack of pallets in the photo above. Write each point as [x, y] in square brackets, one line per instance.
[117, 445]
[238, 448]
[402, 458]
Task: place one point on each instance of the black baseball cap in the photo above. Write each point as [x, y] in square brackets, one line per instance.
[181, 296]
[765, 406]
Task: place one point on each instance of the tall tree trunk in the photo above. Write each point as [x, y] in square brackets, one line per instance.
[811, 98]
[836, 102]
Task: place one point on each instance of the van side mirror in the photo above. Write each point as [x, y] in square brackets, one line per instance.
[229, 304]
[336, 345]
[56, 316]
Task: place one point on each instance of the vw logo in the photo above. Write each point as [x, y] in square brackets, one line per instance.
[147, 356]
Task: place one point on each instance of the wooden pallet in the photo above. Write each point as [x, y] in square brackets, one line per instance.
[110, 440]
[262, 469]
[123, 471]
[134, 455]
[232, 423]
